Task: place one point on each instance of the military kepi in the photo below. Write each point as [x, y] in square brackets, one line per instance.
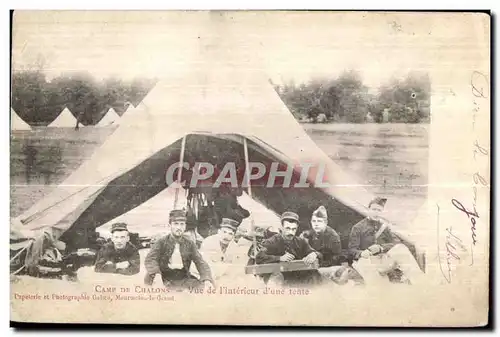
[320, 212]
[230, 223]
[119, 226]
[177, 215]
[289, 216]
[379, 201]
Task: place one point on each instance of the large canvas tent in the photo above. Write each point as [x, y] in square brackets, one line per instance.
[16, 123]
[111, 118]
[64, 120]
[222, 113]
[222, 117]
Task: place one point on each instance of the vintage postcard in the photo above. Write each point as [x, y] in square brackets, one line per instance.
[284, 168]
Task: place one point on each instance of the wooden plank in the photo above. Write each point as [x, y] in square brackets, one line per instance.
[258, 269]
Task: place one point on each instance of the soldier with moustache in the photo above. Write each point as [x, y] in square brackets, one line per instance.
[224, 254]
[286, 247]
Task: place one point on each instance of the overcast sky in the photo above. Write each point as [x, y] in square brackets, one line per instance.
[296, 45]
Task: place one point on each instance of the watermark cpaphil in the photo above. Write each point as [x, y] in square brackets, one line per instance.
[269, 175]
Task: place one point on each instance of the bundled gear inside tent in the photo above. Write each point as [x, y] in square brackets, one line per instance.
[40, 254]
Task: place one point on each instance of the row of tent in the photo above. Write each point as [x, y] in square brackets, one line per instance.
[67, 120]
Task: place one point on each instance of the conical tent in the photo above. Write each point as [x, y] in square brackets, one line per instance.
[129, 108]
[16, 123]
[109, 119]
[139, 109]
[64, 120]
[217, 110]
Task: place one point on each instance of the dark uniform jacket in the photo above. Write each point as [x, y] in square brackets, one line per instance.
[327, 244]
[363, 236]
[109, 253]
[158, 258]
[275, 247]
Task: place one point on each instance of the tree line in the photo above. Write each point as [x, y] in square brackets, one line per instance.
[39, 101]
[346, 99]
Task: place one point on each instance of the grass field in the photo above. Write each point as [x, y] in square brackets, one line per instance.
[390, 159]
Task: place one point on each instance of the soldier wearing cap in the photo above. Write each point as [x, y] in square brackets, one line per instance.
[119, 256]
[171, 257]
[326, 241]
[225, 256]
[285, 247]
[323, 239]
[379, 253]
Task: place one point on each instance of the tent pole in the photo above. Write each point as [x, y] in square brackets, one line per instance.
[247, 175]
[179, 173]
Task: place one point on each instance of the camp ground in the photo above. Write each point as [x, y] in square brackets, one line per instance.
[64, 120]
[16, 123]
[111, 118]
[230, 114]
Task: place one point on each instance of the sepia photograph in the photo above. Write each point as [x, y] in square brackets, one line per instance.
[273, 167]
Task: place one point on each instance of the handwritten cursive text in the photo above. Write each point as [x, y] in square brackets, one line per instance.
[452, 246]
[471, 215]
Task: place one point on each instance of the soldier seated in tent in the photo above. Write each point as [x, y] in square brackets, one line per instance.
[326, 241]
[222, 252]
[287, 247]
[118, 256]
[379, 254]
[171, 257]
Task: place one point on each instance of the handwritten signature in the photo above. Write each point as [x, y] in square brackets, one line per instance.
[452, 244]
[472, 215]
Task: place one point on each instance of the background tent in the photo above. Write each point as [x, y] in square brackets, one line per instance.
[16, 123]
[129, 108]
[110, 118]
[139, 109]
[64, 120]
[218, 105]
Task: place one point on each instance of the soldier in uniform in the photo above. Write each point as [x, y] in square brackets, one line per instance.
[286, 247]
[323, 239]
[118, 256]
[378, 253]
[326, 242]
[171, 257]
[225, 256]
